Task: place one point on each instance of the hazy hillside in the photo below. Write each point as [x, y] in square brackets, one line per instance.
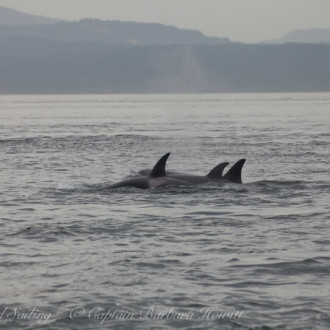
[13, 17]
[43, 66]
[93, 30]
[305, 36]
[93, 56]
[113, 32]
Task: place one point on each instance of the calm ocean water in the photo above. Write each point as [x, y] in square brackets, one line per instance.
[250, 256]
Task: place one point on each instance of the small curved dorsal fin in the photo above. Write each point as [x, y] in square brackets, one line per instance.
[235, 172]
[159, 168]
[216, 172]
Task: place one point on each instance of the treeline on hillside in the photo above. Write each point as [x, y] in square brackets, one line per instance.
[111, 32]
[33, 65]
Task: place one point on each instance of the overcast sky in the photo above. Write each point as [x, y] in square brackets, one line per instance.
[239, 20]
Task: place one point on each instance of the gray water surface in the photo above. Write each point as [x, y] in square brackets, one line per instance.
[250, 256]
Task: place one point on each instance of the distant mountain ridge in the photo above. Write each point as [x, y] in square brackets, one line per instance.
[312, 36]
[14, 17]
[94, 56]
[94, 30]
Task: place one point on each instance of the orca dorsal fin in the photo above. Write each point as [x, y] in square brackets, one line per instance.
[235, 172]
[159, 168]
[216, 172]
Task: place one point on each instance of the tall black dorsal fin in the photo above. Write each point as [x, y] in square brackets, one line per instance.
[216, 172]
[235, 172]
[159, 168]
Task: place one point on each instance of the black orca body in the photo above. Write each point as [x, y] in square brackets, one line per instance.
[234, 175]
[157, 178]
